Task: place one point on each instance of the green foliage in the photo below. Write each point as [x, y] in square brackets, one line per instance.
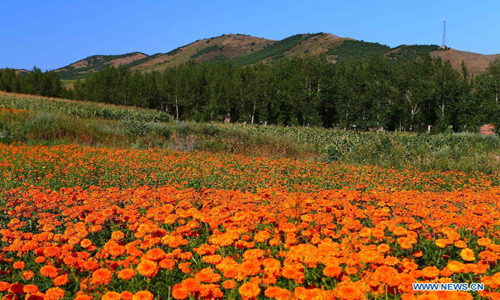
[275, 49]
[35, 82]
[206, 50]
[358, 49]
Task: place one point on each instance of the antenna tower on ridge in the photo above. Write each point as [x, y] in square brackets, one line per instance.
[443, 45]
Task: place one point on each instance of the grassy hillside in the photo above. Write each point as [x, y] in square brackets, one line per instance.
[216, 48]
[53, 121]
[95, 63]
[273, 51]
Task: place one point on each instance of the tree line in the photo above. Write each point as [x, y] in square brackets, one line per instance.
[308, 91]
[35, 82]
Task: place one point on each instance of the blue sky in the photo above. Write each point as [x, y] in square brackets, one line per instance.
[52, 34]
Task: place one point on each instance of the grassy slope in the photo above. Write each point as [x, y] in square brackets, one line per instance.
[273, 51]
[43, 124]
[225, 46]
[95, 63]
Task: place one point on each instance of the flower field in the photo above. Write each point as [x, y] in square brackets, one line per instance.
[102, 223]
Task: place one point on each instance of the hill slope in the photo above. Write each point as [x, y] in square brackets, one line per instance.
[244, 50]
[96, 63]
[217, 48]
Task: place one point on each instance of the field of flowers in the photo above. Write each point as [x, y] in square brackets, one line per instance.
[102, 223]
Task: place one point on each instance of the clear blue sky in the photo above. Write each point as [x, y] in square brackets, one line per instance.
[52, 33]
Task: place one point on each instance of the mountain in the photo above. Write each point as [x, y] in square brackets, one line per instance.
[244, 50]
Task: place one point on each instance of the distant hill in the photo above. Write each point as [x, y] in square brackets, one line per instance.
[96, 63]
[244, 50]
[20, 71]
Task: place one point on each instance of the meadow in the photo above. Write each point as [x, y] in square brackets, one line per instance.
[140, 213]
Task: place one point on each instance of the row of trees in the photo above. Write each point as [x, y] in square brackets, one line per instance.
[35, 82]
[309, 91]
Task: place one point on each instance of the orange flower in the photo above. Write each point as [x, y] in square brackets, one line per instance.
[126, 274]
[191, 285]
[332, 271]
[178, 292]
[467, 254]
[61, 280]
[111, 296]
[155, 254]
[18, 265]
[383, 248]
[126, 295]
[28, 275]
[249, 290]
[101, 276]
[229, 284]
[485, 242]
[54, 293]
[49, 271]
[460, 244]
[30, 289]
[250, 268]
[143, 295]
[350, 290]
[431, 272]
[147, 268]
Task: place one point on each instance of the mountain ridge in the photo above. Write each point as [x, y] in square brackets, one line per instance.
[244, 49]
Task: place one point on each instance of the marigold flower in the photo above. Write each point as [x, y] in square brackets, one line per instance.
[111, 296]
[249, 290]
[101, 276]
[30, 289]
[18, 265]
[126, 274]
[383, 248]
[143, 295]
[467, 254]
[332, 271]
[49, 271]
[431, 272]
[61, 280]
[147, 268]
[250, 268]
[485, 242]
[54, 293]
[350, 290]
[191, 284]
[178, 292]
[155, 254]
[229, 284]
[28, 275]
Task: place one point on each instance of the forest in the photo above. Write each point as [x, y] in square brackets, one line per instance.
[355, 93]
